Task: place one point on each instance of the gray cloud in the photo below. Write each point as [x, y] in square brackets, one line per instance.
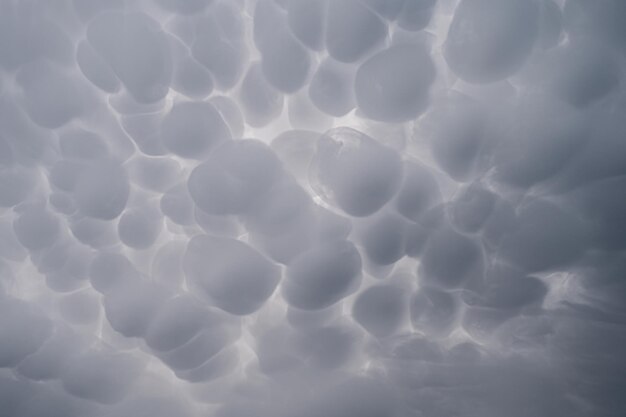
[377, 208]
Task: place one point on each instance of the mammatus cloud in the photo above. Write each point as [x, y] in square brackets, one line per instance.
[303, 208]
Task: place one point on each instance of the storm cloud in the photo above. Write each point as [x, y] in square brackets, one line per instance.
[302, 208]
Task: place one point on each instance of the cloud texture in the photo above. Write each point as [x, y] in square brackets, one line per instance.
[302, 208]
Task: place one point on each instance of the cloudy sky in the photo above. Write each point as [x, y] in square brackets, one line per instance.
[304, 208]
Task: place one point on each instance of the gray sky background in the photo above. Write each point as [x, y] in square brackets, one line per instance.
[303, 208]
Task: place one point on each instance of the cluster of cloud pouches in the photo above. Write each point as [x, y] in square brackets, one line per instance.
[302, 208]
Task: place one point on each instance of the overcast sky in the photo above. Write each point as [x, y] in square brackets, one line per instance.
[306, 208]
